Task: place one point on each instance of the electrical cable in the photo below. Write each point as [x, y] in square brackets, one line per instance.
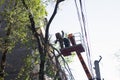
[78, 14]
[66, 66]
[86, 38]
[84, 33]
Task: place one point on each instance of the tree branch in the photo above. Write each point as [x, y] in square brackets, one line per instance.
[51, 18]
[40, 48]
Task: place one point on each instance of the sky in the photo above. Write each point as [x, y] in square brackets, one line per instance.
[102, 18]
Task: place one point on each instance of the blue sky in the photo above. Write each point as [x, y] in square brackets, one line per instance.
[103, 26]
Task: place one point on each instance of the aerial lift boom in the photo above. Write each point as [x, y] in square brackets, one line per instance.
[78, 48]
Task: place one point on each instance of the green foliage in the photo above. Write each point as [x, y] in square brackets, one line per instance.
[38, 10]
[30, 62]
[16, 18]
[26, 70]
[1, 78]
[69, 59]
[50, 70]
[1, 2]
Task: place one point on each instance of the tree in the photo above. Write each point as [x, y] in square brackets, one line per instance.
[17, 26]
[23, 18]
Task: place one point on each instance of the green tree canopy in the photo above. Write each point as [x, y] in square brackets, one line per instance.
[17, 26]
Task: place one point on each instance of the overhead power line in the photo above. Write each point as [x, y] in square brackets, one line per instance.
[82, 22]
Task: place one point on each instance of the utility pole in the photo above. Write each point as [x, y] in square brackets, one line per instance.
[97, 69]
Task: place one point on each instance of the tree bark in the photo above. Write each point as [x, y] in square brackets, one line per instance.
[42, 49]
